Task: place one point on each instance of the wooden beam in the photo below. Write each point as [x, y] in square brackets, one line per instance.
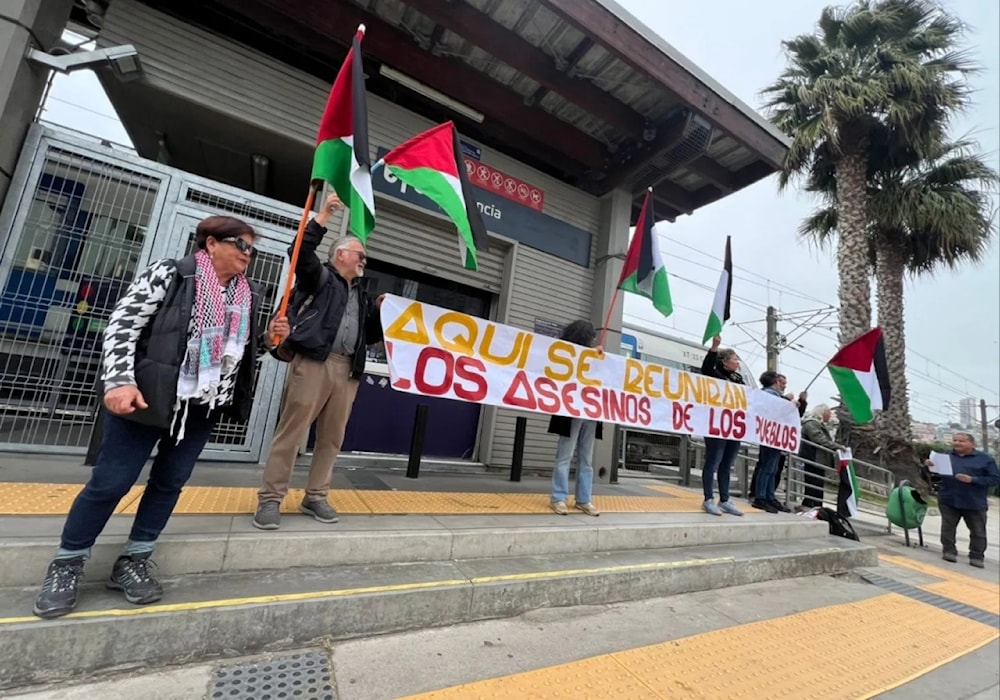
[575, 56]
[599, 23]
[668, 133]
[713, 172]
[317, 23]
[481, 30]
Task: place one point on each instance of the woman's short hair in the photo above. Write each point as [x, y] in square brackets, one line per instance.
[726, 353]
[219, 228]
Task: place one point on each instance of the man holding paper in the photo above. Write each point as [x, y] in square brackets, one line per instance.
[963, 496]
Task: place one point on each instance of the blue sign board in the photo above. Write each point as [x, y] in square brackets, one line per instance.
[474, 152]
[503, 217]
[631, 345]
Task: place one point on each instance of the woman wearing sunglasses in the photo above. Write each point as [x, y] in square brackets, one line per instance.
[179, 353]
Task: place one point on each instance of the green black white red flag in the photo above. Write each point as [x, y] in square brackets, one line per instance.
[861, 374]
[432, 164]
[644, 272]
[342, 157]
[721, 304]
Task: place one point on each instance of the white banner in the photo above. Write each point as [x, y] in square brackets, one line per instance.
[437, 352]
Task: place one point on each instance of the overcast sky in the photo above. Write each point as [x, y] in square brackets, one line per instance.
[953, 320]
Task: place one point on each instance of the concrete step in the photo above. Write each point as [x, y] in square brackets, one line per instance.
[223, 544]
[240, 612]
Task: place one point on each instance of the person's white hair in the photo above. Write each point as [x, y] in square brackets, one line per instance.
[342, 242]
[816, 412]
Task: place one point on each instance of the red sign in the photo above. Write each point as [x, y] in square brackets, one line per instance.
[491, 179]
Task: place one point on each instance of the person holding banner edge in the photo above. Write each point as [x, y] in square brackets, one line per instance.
[576, 434]
[720, 453]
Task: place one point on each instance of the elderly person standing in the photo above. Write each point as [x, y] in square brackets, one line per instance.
[816, 434]
[179, 353]
[575, 434]
[720, 454]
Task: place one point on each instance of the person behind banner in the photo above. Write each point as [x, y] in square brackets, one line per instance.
[575, 434]
[819, 450]
[327, 351]
[179, 353]
[963, 497]
[720, 453]
[766, 471]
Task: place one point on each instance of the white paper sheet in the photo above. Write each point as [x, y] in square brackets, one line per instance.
[941, 464]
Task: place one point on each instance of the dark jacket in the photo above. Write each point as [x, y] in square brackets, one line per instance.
[985, 475]
[162, 346]
[816, 432]
[312, 336]
[578, 333]
[711, 367]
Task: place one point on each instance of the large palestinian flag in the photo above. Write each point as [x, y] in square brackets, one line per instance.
[342, 157]
[861, 374]
[432, 164]
[644, 272]
[721, 304]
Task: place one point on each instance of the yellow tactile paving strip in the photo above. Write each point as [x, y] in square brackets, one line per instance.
[855, 650]
[55, 499]
[978, 593]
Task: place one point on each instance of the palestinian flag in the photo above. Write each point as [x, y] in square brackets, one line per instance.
[342, 156]
[861, 374]
[644, 272]
[847, 490]
[720, 306]
[432, 164]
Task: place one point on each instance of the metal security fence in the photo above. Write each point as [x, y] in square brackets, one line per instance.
[79, 220]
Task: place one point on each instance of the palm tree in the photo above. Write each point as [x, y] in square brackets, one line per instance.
[923, 216]
[878, 70]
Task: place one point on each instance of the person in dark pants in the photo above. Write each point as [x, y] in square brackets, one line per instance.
[179, 353]
[763, 483]
[780, 383]
[815, 435]
[963, 497]
[720, 454]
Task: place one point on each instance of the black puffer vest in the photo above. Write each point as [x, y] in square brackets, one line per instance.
[163, 343]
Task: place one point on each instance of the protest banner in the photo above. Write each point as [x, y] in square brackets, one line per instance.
[437, 352]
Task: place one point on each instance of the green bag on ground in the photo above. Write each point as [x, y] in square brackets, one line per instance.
[906, 509]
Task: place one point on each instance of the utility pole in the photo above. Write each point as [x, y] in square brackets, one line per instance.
[985, 427]
[772, 339]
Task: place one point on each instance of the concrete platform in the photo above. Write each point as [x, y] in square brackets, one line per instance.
[229, 614]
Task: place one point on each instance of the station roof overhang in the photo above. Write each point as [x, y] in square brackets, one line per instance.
[578, 89]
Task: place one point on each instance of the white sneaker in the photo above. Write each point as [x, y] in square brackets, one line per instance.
[710, 508]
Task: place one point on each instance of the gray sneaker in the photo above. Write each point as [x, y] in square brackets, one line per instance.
[321, 510]
[728, 507]
[268, 515]
[710, 508]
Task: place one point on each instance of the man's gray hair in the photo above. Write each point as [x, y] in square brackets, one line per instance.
[341, 244]
[970, 436]
[726, 353]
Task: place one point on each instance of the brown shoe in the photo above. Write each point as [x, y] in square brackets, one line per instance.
[559, 507]
[588, 508]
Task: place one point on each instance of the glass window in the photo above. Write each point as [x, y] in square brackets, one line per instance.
[384, 278]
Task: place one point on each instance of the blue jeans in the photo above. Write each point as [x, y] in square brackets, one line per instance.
[766, 472]
[719, 458]
[125, 449]
[581, 438]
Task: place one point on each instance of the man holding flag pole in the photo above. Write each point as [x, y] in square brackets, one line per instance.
[330, 315]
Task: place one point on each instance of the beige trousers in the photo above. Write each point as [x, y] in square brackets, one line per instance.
[314, 391]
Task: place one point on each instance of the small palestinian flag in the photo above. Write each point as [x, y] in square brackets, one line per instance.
[432, 164]
[861, 374]
[644, 272]
[720, 306]
[342, 155]
[847, 489]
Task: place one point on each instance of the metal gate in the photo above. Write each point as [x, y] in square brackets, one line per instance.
[79, 220]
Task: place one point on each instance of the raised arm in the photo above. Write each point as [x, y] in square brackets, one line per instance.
[309, 268]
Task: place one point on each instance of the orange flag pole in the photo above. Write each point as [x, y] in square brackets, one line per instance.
[306, 210]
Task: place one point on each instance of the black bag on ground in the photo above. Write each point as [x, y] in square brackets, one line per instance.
[839, 526]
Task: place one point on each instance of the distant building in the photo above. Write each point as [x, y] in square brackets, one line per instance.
[967, 409]
[924, 432]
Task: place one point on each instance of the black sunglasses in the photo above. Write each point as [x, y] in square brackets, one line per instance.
[361, 256]
[241, 245]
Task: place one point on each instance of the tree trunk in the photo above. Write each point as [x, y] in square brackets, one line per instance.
[854, 293]
[889, 273]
